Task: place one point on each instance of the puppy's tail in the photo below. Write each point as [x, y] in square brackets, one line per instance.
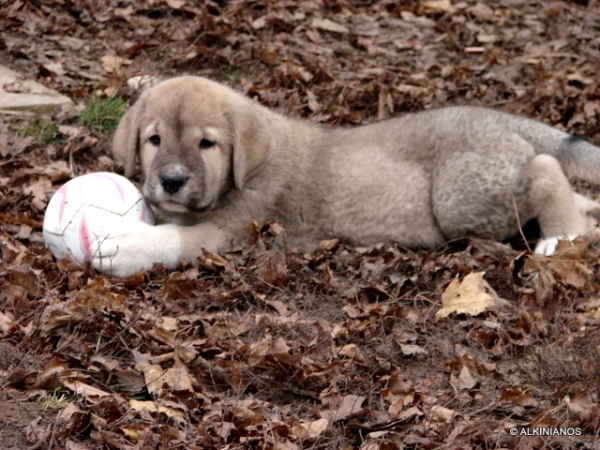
[579, 158]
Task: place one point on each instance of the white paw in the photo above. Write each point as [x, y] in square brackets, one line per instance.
[548, 246]
[132, 248]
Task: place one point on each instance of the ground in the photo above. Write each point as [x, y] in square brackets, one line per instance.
[269, 346]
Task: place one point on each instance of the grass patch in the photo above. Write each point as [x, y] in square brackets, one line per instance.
[44, 133]
[102, 114]
[232, 74]
[57, 399]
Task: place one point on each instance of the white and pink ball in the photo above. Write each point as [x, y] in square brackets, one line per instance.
[86, 209]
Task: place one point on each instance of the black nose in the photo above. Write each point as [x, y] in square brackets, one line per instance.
[172, 183]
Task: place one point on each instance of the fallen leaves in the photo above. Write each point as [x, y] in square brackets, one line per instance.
[473, 295]
[182, 365]
[519, 397]
[311, 429]
[464, 381]
[113, 64]
[329, 25]
[343, 408]
[90, 393]
[150, 406]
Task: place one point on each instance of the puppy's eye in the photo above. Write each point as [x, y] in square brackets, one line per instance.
[154, 139]
[206, 143]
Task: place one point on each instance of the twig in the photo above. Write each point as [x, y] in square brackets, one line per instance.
[519, 224]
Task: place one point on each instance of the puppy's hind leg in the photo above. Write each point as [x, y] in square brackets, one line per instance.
[552, 197]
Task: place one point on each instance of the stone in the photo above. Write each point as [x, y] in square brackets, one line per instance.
[20, 95]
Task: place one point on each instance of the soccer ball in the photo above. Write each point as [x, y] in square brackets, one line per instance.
[86, 208]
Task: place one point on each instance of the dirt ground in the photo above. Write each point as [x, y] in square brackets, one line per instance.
[269, 346]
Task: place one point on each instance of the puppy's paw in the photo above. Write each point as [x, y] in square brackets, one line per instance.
[548, 246]
[132, 248]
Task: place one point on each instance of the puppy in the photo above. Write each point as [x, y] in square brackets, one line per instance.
[214, 160]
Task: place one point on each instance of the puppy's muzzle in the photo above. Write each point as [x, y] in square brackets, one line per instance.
[173, 179]
[172, 183]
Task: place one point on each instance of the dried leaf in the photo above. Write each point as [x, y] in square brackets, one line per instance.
[409, 349]
[154, 375]
[154, 407]
[7, 325]
[352, 351]
[583, 406]
[90, 393]
[176, 4]
[312, 429]
[350, 405]
[410, 413]
[441, 414]
[329, 25]
[518, 397]
[113, 63]
[464, 381]
[473, 295]
[178, 378]
[38, 191]
[438, 6]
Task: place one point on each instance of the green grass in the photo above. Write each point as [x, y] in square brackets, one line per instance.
[102, 114]
[57, 399]
[232, 74]
[43, 132]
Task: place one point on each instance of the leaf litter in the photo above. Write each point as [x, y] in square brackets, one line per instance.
[269, 346]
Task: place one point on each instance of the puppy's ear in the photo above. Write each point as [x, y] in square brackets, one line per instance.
[253, 143]
[125, 144]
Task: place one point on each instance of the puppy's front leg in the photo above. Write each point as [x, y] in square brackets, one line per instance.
[132, 248]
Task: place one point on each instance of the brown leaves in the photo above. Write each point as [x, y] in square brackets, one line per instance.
[349, 406]
[518, 397]
[187, 364]
[309, 343]
[473, 295]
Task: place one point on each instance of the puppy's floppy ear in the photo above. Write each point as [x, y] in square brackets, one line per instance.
[125, 144]
[253, 144]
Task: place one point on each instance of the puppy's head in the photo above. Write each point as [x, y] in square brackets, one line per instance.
[196, 140]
